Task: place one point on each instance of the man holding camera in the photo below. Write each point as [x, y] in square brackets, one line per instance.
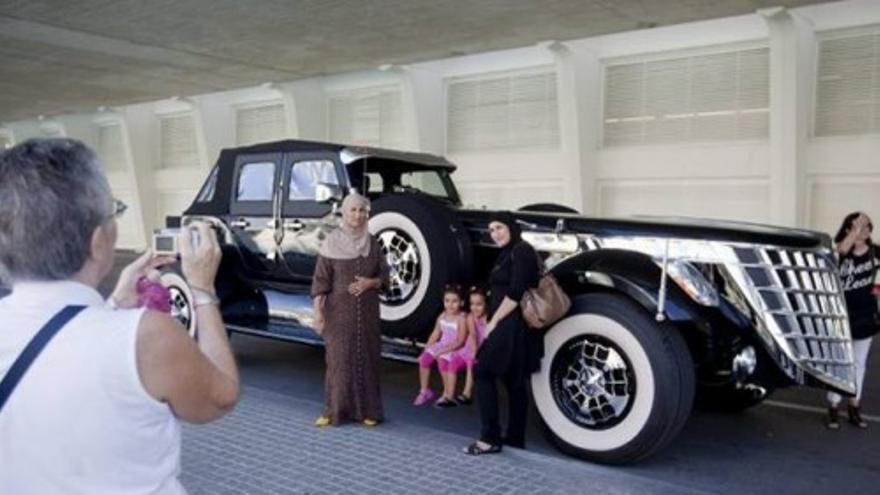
[91, 391]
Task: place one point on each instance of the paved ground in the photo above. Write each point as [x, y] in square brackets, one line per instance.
[767, 449]
[267, 445]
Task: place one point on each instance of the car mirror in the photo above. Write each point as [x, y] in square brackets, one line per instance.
[327, 192]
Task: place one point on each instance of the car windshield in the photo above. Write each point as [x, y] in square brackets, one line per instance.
[436, 183]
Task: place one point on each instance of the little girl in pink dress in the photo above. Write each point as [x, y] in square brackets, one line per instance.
[448, 337]
[466, 357]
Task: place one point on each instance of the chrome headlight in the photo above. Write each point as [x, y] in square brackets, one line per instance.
[680, 256]
[692, 282]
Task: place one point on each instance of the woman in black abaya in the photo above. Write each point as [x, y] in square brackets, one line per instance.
[510, 352]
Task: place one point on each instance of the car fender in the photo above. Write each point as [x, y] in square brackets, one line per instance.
[632, 274]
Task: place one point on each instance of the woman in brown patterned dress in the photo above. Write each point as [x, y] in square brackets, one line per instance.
[348, 275]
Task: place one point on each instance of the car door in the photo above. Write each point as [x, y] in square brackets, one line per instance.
[254, 212]
[305, 222]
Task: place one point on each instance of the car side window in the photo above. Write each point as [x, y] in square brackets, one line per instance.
[375, 184]
[306, 174]
[255, 182]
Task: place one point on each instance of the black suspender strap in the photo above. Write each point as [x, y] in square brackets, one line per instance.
[33, 349]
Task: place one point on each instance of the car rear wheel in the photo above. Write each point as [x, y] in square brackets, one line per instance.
[614, 386]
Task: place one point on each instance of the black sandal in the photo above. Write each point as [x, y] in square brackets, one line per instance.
[475, 449]
[444, 403]
[464, 400]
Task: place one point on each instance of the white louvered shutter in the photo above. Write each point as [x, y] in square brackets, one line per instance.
[371, 117]
[716, 97]
[503, 111]
[110, 146]
[260, 124]
[178, 142]
[848, 86]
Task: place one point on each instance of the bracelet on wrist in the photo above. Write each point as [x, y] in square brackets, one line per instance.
[202, 297]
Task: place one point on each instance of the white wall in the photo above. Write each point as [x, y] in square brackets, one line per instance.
[842, 173]
[789, 178]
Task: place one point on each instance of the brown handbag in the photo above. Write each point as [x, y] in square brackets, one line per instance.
[545, 304]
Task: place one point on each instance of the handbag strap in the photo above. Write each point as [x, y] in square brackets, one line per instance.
[33, 349]
[541, 269]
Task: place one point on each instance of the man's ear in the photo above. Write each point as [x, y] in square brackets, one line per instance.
[99, 240]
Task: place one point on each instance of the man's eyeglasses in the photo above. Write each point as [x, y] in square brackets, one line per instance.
[117, 209]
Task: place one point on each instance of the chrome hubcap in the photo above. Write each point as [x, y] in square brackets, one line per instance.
[180, 309]
[593, 382]
[402, 256]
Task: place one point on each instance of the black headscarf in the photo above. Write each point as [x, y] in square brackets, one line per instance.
[507, 218]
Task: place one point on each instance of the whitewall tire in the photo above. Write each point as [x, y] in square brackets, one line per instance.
[614, 386]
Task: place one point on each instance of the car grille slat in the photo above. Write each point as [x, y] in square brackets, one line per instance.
[798, 294]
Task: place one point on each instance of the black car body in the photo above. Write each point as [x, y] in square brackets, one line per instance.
[664, 310]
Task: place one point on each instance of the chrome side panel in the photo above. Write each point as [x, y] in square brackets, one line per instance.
[294, 308]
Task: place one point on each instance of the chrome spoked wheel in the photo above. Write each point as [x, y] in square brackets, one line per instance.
[593, 383]
[403, 258]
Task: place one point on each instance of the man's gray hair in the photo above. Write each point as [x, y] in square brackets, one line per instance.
[53, 194]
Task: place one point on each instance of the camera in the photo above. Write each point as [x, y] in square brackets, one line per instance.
[165, 241]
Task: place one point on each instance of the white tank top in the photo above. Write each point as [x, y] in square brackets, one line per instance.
[80, 420]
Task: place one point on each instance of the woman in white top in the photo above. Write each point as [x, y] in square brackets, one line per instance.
[97, 412]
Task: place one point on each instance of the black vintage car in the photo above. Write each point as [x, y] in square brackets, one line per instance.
[665, 311]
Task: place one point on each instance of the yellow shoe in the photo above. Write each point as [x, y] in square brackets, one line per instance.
[370, 422]
[322, 421]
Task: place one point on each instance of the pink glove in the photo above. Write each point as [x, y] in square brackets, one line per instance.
[153, 295]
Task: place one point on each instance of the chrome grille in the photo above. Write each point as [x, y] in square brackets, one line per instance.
[799, 296]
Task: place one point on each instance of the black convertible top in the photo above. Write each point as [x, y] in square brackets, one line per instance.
[378, 158]
[348, 153]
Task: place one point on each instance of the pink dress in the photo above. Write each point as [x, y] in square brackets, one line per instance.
[468, 354]
[448, 336]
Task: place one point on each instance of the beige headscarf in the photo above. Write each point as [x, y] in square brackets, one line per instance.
[345, 242]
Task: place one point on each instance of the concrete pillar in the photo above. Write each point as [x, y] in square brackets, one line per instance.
[792, 74]
[308, 103]
[218, 125]
[141, 130]
[124, 177]
[579, 78]
[424, 109]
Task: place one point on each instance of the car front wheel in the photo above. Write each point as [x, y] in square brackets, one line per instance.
[614, 386]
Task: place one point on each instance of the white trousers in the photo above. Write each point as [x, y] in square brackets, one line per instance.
[861, 347]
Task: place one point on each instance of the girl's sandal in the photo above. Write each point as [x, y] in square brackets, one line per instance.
[322, 421]
[444, 403]
[369, 422]
[475, 449]
[464, 399]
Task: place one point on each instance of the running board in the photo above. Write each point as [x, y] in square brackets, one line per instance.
[396, 349]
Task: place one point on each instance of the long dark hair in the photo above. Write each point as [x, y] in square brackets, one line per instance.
[846, 226]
